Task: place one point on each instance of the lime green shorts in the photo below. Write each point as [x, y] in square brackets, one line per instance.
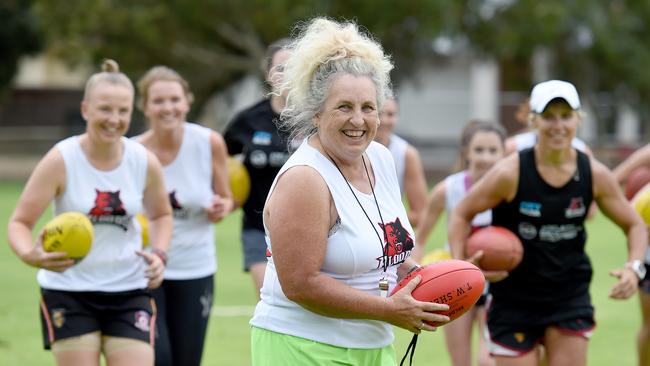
[271, 349]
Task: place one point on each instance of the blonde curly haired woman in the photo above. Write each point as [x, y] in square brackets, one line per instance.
[336, 228]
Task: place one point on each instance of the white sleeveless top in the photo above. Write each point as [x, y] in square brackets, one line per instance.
[353, 255]
[188, 180]
[110, 199]
[397, 147]
[529, 139]
[456, 187]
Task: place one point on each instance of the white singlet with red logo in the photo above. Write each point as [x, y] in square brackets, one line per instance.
[188, 180]
[110, 199]
[353, 254]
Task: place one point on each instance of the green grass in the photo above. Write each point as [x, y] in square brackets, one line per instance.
[228, 335]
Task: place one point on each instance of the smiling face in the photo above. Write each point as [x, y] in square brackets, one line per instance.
[484, 150]
[348, 121]
[167, 104]
[556, 125]
[388, 119]
[107, 110]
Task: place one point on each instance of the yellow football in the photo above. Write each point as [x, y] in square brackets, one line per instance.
[641, 203]
[240, 181]
[144, 229]
[436, 255]
[69, 232]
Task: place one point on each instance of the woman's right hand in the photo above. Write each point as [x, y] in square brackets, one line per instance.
[492, 276]
[51, 261]
[411, 314]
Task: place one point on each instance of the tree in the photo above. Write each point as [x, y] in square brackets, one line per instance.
[19, 35]
[213, 43]
[600, 45]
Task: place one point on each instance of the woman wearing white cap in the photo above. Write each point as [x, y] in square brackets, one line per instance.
[542, 195]
[528, 138]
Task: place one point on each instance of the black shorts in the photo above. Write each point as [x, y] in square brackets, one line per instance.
[254, 247]
[516, 330]
[484, 296]
[644, 284]
[65, 314]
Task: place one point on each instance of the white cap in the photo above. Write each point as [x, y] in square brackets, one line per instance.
[548, 90]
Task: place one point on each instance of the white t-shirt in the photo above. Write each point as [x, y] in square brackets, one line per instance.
[110, 199]
[353, 254]
[188, 180]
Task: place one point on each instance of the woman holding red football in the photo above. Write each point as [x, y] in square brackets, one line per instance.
[542, 194]
[330, 212]
[100, 305]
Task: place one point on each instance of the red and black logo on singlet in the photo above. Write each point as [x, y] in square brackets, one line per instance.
[109, 209]
[397, 243]
[178, 210]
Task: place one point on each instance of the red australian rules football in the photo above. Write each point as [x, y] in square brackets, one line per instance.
[456, 283]
[502, 249]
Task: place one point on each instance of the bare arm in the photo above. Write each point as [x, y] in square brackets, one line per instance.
[159, 211]
[298, 215]
[511, 145]
[46, 182]
[499, 184]
[415, 185]
[640, 158]
[435, 204]
[611, 201]
[222, 202]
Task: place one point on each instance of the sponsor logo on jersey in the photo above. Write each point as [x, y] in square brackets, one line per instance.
[532, 209]
[262, 138]
[397, 244]
[555, 233]
[576, 208]
[109, 209]
[527, 230]
[178, 211]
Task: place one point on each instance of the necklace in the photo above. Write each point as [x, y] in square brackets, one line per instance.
[383, 282]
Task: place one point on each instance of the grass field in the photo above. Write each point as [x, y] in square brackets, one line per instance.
[228, 336]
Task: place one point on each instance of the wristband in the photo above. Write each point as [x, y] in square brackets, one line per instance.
[161, 254]
[414, 268]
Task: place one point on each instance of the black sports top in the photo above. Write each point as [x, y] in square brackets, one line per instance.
[253, 132]
[549, 223]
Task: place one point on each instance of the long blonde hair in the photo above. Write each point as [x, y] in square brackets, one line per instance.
[322, 49]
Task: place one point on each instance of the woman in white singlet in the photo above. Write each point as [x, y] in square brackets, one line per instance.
[101, 304]
[196, 177]
[336, 228]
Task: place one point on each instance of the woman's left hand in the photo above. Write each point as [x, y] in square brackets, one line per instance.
[219, 207]
[155, 270]
[627, 284]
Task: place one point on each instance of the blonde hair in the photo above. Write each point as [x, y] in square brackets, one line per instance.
[323, 49]
[110, 74]
[158, 73]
